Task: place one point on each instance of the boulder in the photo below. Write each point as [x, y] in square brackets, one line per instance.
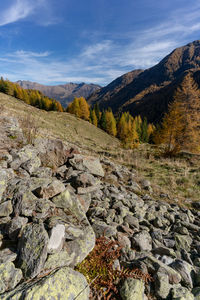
[14, 226]
[64, 283]
[32, 249]
[181, 293]
[50, 190]
[162, 286]
[87, 164]
[10, 276]
[31, 165]
[132, 289]
[142, 241]
[23, 155]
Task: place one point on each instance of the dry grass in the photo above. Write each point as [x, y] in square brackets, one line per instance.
[178, 177]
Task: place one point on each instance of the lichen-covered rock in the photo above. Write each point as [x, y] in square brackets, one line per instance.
[24, 203]
[5, 175]
[196, 293]
[62, 284]
[181, 293]
[32, 249]
[10, 276]
[58, 260]
[87, 164]
[183, 242]
[162, 284]
[132, 289]
[31, 165]
[185, 270]
[23, 155]
[6, 209]
[100, 228]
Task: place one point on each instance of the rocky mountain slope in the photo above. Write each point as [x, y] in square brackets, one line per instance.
[57, 197]
[149, 92]
[65, 93]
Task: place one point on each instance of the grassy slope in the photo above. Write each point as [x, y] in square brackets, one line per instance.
[61, 125]
[179, 178]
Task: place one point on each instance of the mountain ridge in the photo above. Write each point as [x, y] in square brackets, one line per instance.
[64, 93]
[159, 81]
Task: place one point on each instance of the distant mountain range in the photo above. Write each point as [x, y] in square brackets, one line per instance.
[148, 92]
[64, 93]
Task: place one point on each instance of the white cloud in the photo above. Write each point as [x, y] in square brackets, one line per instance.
[20, 9]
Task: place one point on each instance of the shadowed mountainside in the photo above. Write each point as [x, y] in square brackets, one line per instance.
[149, 92]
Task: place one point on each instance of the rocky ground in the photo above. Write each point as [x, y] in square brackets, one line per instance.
[55, 202]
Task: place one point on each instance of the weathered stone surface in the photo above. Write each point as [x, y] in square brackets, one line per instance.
[196, 293]
[181, 293]
[185, 270]
[58, 260]
[6, 255]
[132, 289]
[23, 155]
[6, 209]
[24, 203]
[5, 175]
[100, 228]
[50, 190]
[10, 276]
[56, 238]
[142, 241]
[31, 165]
[162, 284]
[62, 284]
[88, 164]
[32, 249]
[14, 226]
[183, 241]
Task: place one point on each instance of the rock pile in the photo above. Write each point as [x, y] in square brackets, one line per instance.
[55, 201]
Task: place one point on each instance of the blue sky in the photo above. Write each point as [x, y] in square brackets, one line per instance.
[93, 41]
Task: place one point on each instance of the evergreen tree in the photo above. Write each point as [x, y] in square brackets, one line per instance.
[102, 122]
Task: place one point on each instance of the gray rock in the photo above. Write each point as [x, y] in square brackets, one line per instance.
[5, 175]
[14, 226]
[64, 283]
[6, 209]
[10, 276]
[181, 293]
[87, 164]
[23, 155]
[102, 229]
[162, 285]
[6, 255]
[132, 289]
[32, 249]
[50, 190]
[142, 241]
[31, 165]
[196, 293]
[185, 270]
[56, 238]
[183, 242]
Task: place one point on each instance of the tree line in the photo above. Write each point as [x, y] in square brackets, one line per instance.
[131, 131]
[32, 97]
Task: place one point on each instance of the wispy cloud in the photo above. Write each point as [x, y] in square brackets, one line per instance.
[21, 9]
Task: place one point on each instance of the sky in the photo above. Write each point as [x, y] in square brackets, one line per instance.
[93, 41]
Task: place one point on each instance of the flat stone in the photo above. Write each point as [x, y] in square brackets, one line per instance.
[31, 165]
[6, 255]
[56, 239]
